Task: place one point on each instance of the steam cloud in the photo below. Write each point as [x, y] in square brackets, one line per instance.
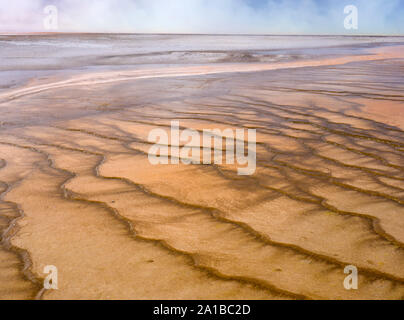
[204, 16]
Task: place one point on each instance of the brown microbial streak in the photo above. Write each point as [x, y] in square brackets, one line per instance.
[216, 215]
[69, 195]
[182, 204]
[286, 108]
[300, 145]
[333, 181]
[12, 213]
[333, 160]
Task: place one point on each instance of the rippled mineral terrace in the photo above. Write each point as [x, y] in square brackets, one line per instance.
[78, 191]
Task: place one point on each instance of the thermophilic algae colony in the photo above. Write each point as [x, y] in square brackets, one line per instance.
[79, 192]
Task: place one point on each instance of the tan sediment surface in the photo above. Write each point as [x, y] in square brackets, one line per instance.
[78, 191]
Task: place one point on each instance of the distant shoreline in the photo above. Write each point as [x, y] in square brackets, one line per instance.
[203, 34]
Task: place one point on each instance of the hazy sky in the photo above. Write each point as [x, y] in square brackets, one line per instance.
[205, 16]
